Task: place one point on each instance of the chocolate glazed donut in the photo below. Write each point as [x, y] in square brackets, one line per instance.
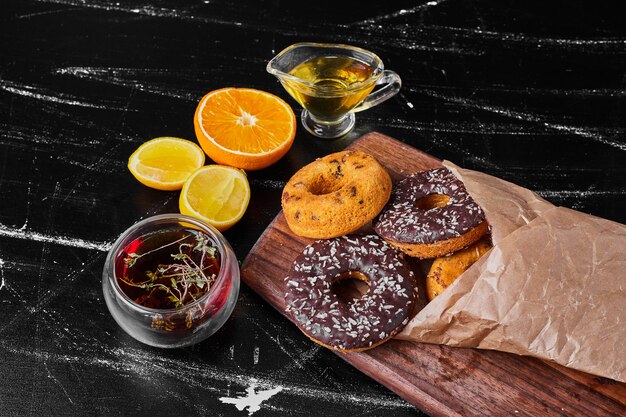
[365, 322]
[431, 214]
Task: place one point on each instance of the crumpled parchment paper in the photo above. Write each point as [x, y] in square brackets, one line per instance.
[553, 286]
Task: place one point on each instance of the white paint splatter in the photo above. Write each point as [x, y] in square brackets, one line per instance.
[2, 283]
[56, 381]
[44, 95]
[530, 40]
[59, 240]
[144, 10]
[111, 166]
[255, 356]
[149, 365]
[47, 12]
[574, 130]
[294, 356]
[252, 401]
[127, 77]
[401, 12]
[24, 226]
[561, 92]
[580, 193]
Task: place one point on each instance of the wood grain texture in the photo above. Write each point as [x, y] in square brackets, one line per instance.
[438, 379]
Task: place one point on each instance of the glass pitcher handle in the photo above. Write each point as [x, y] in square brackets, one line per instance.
[393, 84]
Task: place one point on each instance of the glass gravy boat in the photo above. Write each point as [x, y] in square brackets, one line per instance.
[332, 82]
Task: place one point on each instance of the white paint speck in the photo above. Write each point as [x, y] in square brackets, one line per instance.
[408, 103]
[151, 367]
[2, 283]
[579, 193]
[252, 401]
[24, 226]
[256, 355]
[401, 12]
[56, 381]
[589, 133]
[38, 93]
[59, 240]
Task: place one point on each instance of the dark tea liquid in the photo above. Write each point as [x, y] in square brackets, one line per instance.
[146, 267]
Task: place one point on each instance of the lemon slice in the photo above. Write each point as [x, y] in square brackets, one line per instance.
[217, 194]
[165, 163]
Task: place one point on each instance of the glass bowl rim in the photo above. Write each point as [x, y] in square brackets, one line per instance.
[378, 71]
[223, 247]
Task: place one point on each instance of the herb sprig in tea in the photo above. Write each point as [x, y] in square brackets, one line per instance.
[188, 276]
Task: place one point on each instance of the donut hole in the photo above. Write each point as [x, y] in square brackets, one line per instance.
[350, 286]
[432, 201]
[321, 186]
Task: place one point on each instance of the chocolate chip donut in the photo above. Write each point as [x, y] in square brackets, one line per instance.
[335, 195]
[364, 322]
[431, 214]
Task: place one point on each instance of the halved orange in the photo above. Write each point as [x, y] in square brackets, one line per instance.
[244, 127]
[217, 194]
[165, 163]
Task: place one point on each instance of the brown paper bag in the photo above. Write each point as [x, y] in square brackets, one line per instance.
[553, 286]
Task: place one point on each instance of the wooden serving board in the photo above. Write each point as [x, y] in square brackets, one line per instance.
[441, 380]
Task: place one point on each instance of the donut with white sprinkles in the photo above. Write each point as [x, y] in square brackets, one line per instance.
[364, 322]
[431, 214]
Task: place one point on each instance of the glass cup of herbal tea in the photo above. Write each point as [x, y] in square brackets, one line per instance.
[171, 280]
[332, 82]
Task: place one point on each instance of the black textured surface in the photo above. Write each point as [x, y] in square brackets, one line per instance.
[530, 92]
